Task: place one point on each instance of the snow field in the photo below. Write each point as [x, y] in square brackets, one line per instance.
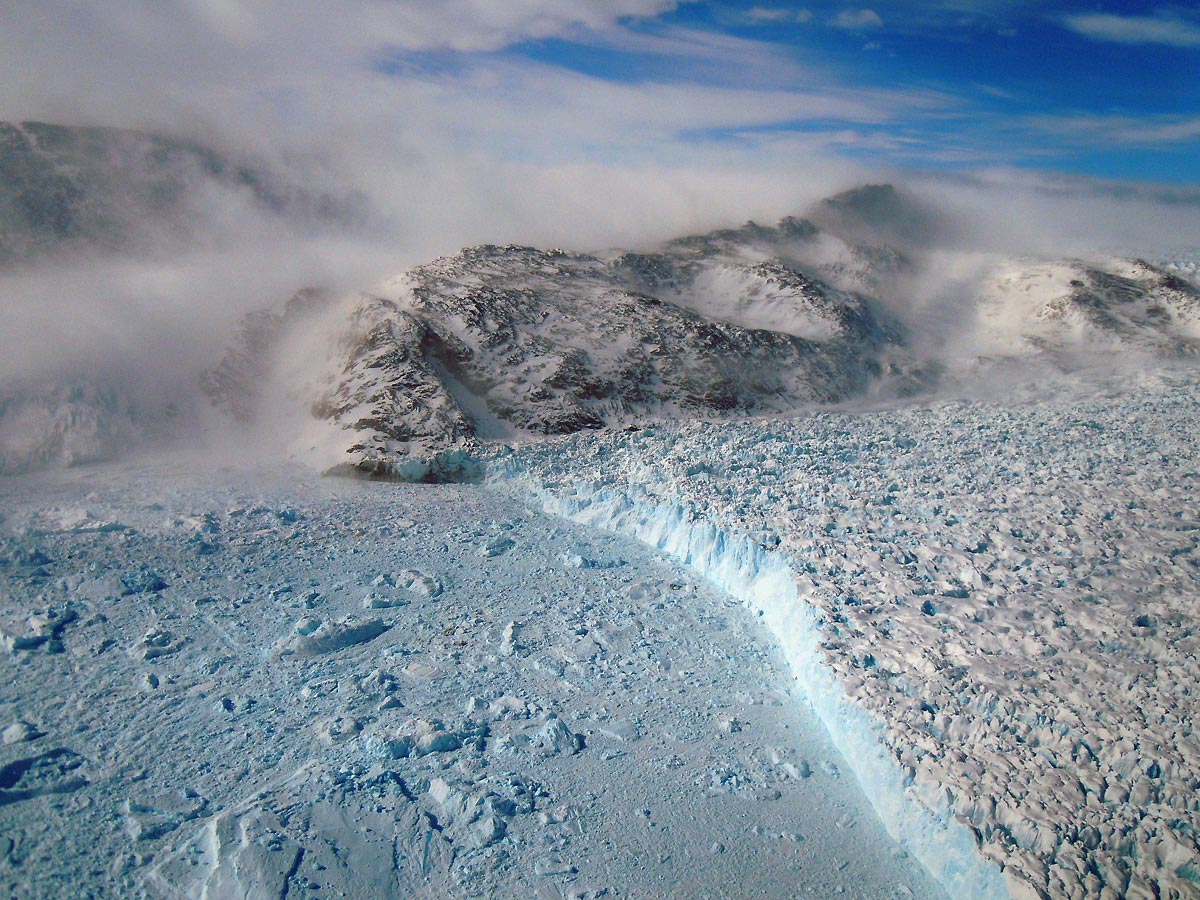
[1002, 598]
[271, 684]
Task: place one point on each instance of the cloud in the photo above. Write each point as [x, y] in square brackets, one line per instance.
[702, 56]
[775, 14]
[341, 95]
[992, 91]
[536, 112]
[1047, 215]
[461, 25]
[1161, 28]
[1146, 131]
[857, 19]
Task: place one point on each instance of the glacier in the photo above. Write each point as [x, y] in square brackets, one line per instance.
[766, 583]
[991, 608]
[265, 683]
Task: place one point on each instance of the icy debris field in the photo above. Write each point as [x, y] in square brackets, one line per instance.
[1005, 597]
[270, 684]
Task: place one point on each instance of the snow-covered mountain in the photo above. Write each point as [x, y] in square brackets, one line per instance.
[516, 342]
[509, 341]
[513, 342]
[1028, 306]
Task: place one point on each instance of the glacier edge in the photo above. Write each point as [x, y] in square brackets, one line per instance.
[766, 583]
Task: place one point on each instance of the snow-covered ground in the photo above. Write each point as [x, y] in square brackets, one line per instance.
[269, 684]
[992, 606]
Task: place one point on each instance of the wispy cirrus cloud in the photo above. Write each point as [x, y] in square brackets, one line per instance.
[1144, 131]
[461, 25]
[1161, 28]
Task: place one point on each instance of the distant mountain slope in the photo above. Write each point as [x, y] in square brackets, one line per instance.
[48, 426]
[516, 342]
[1030, 306]
[74, 197]
[65, 188]
[509, 341]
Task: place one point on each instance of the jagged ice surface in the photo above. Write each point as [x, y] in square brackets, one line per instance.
[1005, 596]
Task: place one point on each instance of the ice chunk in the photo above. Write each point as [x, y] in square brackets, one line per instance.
[497, 546]
[143, 581]
[314, 636]
[19, 732]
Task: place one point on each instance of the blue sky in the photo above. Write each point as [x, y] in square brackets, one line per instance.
[1102, 89]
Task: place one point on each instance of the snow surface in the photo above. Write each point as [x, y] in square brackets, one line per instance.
[1111, 304]
[992, 607]
[269, 684]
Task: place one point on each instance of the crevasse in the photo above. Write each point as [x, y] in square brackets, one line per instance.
[768, 584]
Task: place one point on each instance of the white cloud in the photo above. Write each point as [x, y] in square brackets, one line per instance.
[711, 57]
[776, 14]
[464, 25]
[1148, 131]
[306, 81]
[1019, 211]
[763, 14]
[857, 19]
[1161, 28]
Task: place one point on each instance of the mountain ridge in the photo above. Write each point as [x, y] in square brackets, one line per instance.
[507, 342]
